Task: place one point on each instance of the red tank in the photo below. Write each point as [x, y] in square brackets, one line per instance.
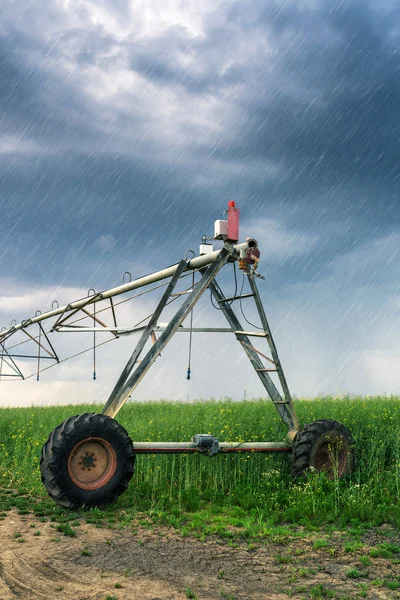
[233, 222]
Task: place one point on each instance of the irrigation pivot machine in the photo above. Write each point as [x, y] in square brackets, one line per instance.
[89, 459]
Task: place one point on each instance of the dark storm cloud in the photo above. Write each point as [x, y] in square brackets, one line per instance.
[343, 119]
[40, 102]
[159, 60]
[314, 90]
[323, 99]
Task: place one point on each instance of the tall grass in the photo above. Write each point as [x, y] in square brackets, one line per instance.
[258, 483]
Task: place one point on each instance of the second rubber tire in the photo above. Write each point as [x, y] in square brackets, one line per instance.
[323, 445]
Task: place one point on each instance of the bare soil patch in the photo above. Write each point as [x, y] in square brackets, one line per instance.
[38, 562]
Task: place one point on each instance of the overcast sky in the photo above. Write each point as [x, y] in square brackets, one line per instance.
[125, 127]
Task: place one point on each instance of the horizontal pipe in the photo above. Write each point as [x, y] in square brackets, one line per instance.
[192, 448]
[195, 263]
[72, 329]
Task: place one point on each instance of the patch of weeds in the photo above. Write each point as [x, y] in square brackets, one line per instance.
[108, 597]
[66, 529]
[283, 559]
[94, 521]
[394, 548]
[393, 584]
[17, 535]
[306, 572]
[56, 540]
[354, 573]
[301, 589]
[86, 552]
[352, 546]
[377, 582]
[118, 585]
[190, 594]
[145, 524]
[226, 596]
[127, 572]
[280, 535]
[365, 560]
[220, 574]
[380, 553]
[320, 544]
[320, 591]
[32, 525]
[37, 533]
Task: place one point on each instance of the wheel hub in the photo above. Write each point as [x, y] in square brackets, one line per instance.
[88, 461]
[92, 463]
[331, 458]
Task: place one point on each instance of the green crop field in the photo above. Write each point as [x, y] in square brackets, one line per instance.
[251, 489]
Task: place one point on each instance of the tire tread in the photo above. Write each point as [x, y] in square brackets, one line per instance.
[63, 435]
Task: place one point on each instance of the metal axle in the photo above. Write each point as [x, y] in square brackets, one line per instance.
[192, 448]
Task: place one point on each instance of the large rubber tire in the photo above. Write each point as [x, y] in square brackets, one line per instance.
[323, 445]
[87, 461]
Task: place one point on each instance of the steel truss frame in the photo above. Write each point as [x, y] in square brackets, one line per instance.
[208, 266]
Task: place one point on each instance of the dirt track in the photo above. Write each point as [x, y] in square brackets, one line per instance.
[160, 565]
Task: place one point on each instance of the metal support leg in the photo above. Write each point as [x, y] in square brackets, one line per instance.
[274, 352]
[283, 407]
[116, 402]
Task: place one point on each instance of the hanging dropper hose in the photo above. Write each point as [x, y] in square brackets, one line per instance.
[3, 349]
[37, 313]
[94, 341]
[188, 373]
[190, 341]
[38, 358]
[92, 292]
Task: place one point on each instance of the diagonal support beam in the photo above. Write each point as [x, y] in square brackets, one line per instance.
[115, 394]
[40, 344]
[285, 410]
[13, 366]
[113, 312]
[49, 343]
[65, 315]
[92, 316]
[114, 403]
